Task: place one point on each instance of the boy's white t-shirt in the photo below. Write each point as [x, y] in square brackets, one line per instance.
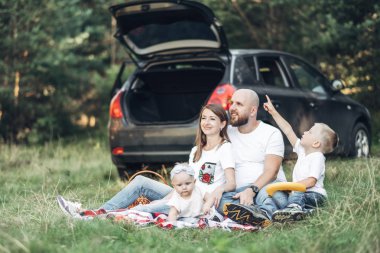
[311, 165]
[191, 207]
[250, 150]
[209, 169]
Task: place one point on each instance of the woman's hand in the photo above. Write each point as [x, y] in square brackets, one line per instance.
[206, 210]
[209, 202]
[217, 195]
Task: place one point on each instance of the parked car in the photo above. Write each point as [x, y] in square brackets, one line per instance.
[183, 62]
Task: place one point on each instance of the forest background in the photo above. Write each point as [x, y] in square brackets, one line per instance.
[58, 59]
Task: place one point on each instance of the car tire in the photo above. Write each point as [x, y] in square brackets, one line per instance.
[128, 170]
[360, 141]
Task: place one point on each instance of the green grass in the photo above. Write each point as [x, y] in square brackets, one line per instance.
[31, 221]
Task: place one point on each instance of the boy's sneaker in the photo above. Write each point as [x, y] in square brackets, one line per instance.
[69, 208]
[292, 212]
[309, 212]
[251, 215]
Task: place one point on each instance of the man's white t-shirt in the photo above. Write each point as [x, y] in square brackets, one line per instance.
[250, 150]
[209, 169]
[190, 208]
[311, 165]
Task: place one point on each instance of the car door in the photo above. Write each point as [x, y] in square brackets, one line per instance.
[153, 30]
[292, 103]
[266, 75]
[325, 105]
[245, 75]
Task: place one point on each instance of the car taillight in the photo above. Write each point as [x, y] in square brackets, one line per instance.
[222, 95]
[117, 151]
[115, 107]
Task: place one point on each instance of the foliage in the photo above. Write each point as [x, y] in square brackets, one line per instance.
[48, 57]
[58, 58]
[342, 37]
[32, 177]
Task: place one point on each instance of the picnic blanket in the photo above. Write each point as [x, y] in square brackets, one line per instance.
[161, 220]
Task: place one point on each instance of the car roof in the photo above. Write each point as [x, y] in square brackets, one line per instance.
[259, 51]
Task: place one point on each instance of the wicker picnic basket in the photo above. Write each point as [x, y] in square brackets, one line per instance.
[142, 200]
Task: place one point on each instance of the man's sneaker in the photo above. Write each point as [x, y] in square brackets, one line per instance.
[251, 215]
[292, 212]
[68, 207]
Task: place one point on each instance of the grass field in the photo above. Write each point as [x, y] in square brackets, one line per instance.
[31, 221]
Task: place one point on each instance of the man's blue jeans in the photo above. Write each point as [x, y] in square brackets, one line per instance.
[307, 200]
[141, 185]
[262, 200]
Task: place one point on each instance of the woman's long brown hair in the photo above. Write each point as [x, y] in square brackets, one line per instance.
[201, 140]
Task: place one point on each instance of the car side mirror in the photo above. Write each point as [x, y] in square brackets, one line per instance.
[337, 85]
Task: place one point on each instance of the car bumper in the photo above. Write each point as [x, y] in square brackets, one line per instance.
[151, 144]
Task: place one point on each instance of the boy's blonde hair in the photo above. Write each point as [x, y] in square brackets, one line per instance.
[181, 167]
[329, 139]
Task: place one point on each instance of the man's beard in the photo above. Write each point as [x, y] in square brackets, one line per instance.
[240, 121]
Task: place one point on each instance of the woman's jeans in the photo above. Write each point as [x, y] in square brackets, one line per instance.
[306, 200]
[141, 185]
[262, 200]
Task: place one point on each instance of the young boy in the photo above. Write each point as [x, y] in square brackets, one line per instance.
[187, 200]
[310, 166]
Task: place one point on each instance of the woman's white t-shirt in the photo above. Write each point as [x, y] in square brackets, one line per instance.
[209, 169]
[311, 165]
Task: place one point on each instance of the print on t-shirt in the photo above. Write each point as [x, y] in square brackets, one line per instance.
[207, 172]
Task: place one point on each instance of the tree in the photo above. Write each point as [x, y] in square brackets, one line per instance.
[56, 56]
[342, 37]
[50, 51]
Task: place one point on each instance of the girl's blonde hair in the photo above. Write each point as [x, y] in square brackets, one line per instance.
[181, 167]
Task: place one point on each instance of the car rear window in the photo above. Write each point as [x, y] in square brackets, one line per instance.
[153, 34]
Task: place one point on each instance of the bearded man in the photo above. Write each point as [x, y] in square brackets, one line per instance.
[258, 149]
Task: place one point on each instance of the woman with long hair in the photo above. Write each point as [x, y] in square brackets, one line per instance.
[211, 159]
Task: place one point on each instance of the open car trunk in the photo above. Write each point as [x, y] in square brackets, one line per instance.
[172, 93]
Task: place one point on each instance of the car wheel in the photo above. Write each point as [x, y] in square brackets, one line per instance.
[128, 170]
[360, 141]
